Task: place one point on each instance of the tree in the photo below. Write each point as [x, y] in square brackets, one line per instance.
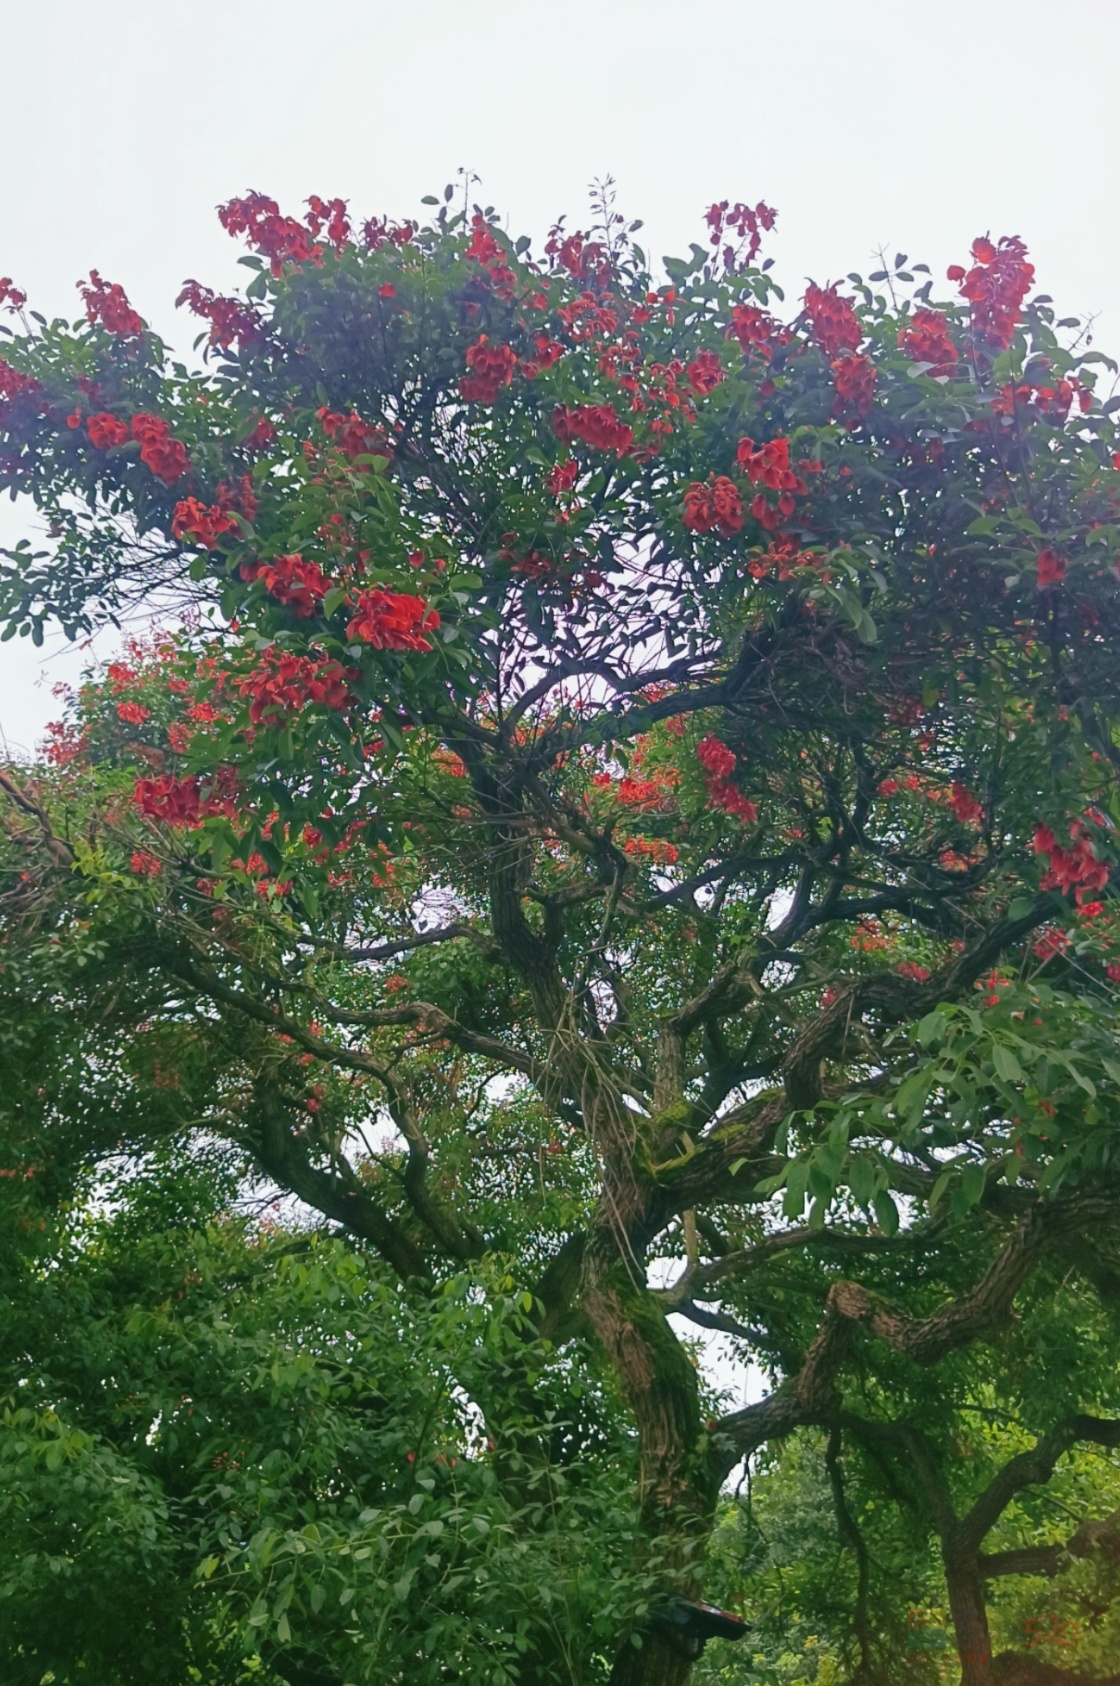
[658, 759]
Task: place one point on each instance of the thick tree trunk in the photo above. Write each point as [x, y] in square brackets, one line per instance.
[656, 1663]
[970, 1617]
[677, 1482]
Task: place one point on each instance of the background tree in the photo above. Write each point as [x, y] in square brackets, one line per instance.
[658, 759]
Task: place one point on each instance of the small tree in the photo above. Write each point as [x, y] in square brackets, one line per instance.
[656, 756]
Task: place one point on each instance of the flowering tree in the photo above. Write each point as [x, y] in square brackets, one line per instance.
[652, 752]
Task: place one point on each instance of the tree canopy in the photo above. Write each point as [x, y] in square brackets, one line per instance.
[630, 776]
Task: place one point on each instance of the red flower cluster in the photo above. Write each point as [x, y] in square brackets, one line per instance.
[719, 763]
[596, 424]
[1050, 942]
[743, 221]
[854, 379]
[563, 477]
[755, 330]
[284, 683]
[658, 849]
[968, 809]
[717, 505]
[768, 465]
[1053, 402]
[297, 584]
[145, 865]
[1051, 569]
[379, 231]
[166, 457]
[782, 556]
[329, 214]
[280, 239]
[585, 260]
[133, 713]
[229, 319]
[910, 969]
[105, 430]
[353, 435]
[390, 620]
[15, 385]
[263, 435]
[181, 801]
[203, 523]
[1075, 870]
[995, 287]
[10, 296]
[926, 339]
[705, 373]
[491, 366]
[109, 306]
[485, 250]
[833, 323]
[715, 757]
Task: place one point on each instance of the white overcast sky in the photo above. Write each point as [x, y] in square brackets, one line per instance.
[865, 124]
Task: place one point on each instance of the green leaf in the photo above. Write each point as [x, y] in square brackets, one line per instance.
[1007, 1066]
[932, 1028]
[886, 1212]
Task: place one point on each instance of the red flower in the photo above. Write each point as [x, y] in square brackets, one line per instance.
[563, 477]
[387, 291]
[181, 801]
[280, 239]
[926, 339]
[717, 505]
[768, 465]
[995, 287]
[833, 323]
[731, 799]
[15, 385]
[392, 621]
[659, 850]
[284, 683]
[1073, 870]
[854, 379]
[105, 430]
[263, 435]
[10, 296]
[966, 806]
[133, 713]
[144, 864]
[1050, 942]
[743, 221]
[1051, 569]
[229, 319]
[109, 306]
[715, 757]
[483, 248]
[705, 373]
[755, 330]
[910, 969]
[596, 424]
[120, 676]
[204, 524]
[492, 368]
[297, 584]
[353, 435]
[331, 215]
[166, 457]
[548, 352]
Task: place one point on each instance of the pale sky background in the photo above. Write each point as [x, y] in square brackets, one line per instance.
[865, 124]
